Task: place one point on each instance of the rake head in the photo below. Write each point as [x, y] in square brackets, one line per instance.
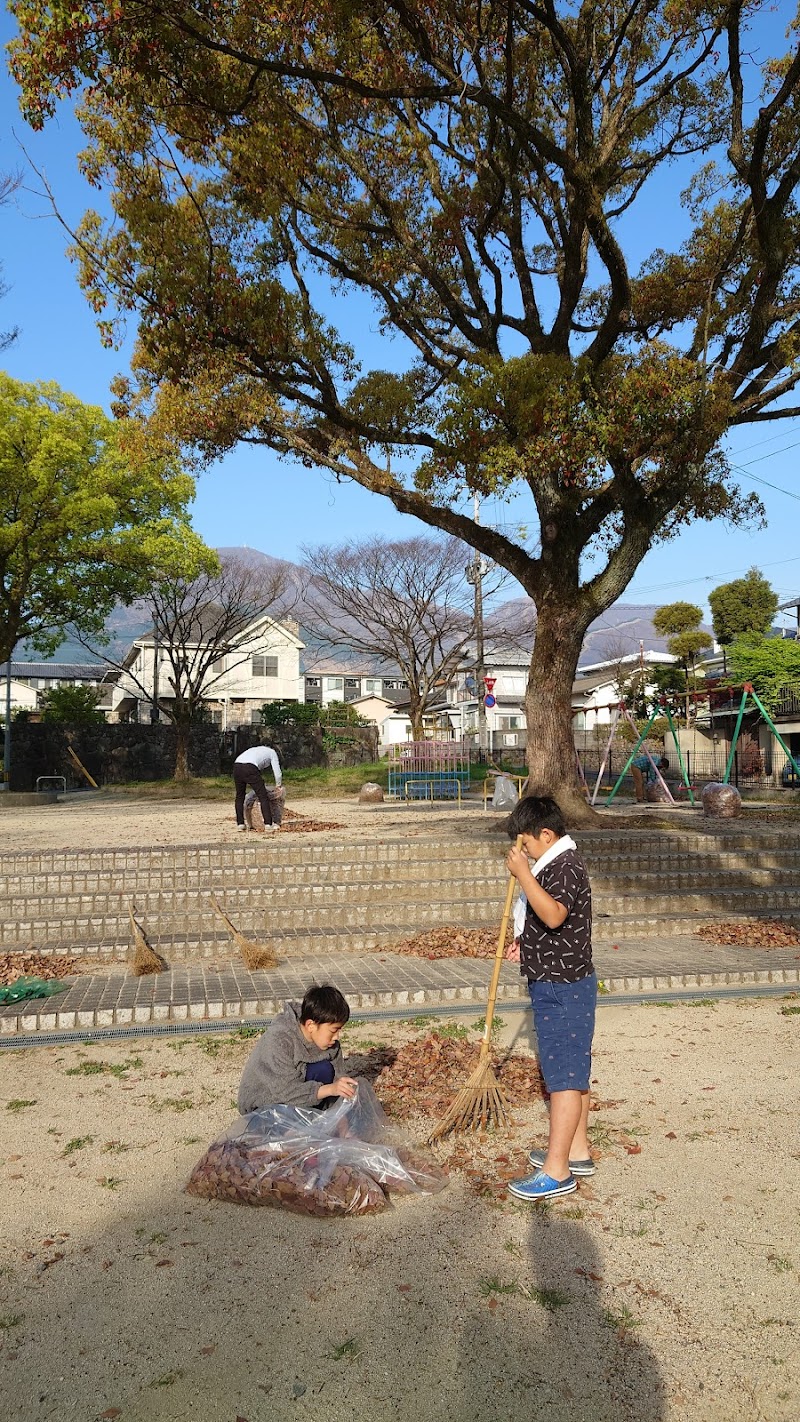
[478, 1105]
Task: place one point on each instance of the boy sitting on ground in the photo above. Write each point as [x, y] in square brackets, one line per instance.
[298, 1060]
[555, 950]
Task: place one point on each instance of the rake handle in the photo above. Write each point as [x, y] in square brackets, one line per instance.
[498, 959]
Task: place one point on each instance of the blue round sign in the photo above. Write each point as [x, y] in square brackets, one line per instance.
[489, 700]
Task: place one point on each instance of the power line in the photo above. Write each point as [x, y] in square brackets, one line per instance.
[711, 577]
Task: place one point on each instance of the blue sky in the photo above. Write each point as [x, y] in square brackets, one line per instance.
[252, 497]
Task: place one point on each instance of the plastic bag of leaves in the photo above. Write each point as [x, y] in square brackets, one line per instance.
[341, 1161]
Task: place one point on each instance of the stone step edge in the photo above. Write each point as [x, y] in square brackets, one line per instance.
[631, 879]
[16, 1027]
[80, 932]
[281, 853]
[371, 942]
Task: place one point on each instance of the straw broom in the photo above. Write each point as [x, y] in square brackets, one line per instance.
[481, 1102]
[145, 959]
[254, 955]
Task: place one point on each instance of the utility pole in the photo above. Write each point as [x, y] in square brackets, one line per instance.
[154, 712]
[475, 573]
[6, 783]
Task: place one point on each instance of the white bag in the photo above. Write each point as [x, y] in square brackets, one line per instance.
[505, 795]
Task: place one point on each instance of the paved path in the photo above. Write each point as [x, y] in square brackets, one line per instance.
[375, 980]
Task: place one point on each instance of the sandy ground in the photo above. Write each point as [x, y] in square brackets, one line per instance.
[666, 1288]
[109, 822]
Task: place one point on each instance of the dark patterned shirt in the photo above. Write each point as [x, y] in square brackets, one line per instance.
[563, 954]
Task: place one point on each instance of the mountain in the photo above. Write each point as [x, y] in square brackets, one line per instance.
[616, 633]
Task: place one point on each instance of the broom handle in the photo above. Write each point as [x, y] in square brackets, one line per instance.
[498, 959]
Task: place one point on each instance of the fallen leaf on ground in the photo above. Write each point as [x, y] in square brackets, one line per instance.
[759, 933]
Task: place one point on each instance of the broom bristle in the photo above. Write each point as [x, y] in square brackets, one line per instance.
[145, 959]
[478, 1105]
[254, 955]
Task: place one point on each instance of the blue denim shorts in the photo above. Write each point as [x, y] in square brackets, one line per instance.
[563, 1015]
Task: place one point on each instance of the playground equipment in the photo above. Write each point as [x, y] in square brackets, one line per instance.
[661, 710]
[429, 770]
[747, 691]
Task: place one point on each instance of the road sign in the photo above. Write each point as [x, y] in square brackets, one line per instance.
[489, 682]
[489, 700]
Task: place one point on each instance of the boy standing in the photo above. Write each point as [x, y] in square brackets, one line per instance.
[298, 1060]
[555, 951]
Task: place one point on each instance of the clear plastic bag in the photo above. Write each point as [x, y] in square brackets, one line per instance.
[341, 1161]
[505, 795]
[721, 801]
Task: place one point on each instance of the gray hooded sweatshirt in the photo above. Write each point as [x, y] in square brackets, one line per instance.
[275, 1071]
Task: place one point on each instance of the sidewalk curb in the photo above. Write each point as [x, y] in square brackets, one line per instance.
[44, 1019]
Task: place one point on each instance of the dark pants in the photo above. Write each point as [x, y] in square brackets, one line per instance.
[244, 775]
[322, 1072]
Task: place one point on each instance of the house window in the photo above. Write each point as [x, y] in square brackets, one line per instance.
[334, 683]
[372, 686]
[265, 666]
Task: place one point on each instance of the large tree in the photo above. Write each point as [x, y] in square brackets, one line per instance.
[86, 514]
[487, 175]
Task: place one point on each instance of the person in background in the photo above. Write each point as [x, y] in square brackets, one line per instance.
[248, 770]
[644, 774]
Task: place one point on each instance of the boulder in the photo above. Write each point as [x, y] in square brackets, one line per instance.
[370, 793]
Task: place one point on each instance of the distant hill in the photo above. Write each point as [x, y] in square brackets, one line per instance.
[616, 633]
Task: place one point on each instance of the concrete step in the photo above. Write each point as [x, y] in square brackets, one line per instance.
[258, 851]
[200, 931]
[290, 943]
[361, 890]
[51, 890]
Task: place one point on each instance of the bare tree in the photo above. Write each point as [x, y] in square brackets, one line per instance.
[9, 182]
[406, 602]
[203, 627]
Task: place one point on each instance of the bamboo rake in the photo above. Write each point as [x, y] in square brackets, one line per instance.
[254, 955]
[481, 1102]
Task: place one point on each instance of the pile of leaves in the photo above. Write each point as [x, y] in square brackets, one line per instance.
[760, 933]
[36, 965]
[450, 942]
[425, 1076]
[292, 821]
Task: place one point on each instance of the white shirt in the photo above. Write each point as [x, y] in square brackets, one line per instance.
[261, 757]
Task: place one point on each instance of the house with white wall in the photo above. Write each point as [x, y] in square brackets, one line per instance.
[261, 664]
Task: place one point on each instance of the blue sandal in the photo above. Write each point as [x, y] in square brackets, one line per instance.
[542, 1187]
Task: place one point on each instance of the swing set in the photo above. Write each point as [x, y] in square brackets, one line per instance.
[662, 709]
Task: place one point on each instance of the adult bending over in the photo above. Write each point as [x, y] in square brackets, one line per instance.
[248, 769]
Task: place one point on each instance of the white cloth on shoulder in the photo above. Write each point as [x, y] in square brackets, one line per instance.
[562, 844]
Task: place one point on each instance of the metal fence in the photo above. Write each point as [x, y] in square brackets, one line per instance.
[752, 768]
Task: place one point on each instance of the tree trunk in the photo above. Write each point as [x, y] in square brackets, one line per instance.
[181, 771]
[552, 762]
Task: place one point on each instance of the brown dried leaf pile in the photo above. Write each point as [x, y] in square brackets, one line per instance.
[763, 933]
[291, 821]
[425, 1076]
[450, 942]
[35, 965]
